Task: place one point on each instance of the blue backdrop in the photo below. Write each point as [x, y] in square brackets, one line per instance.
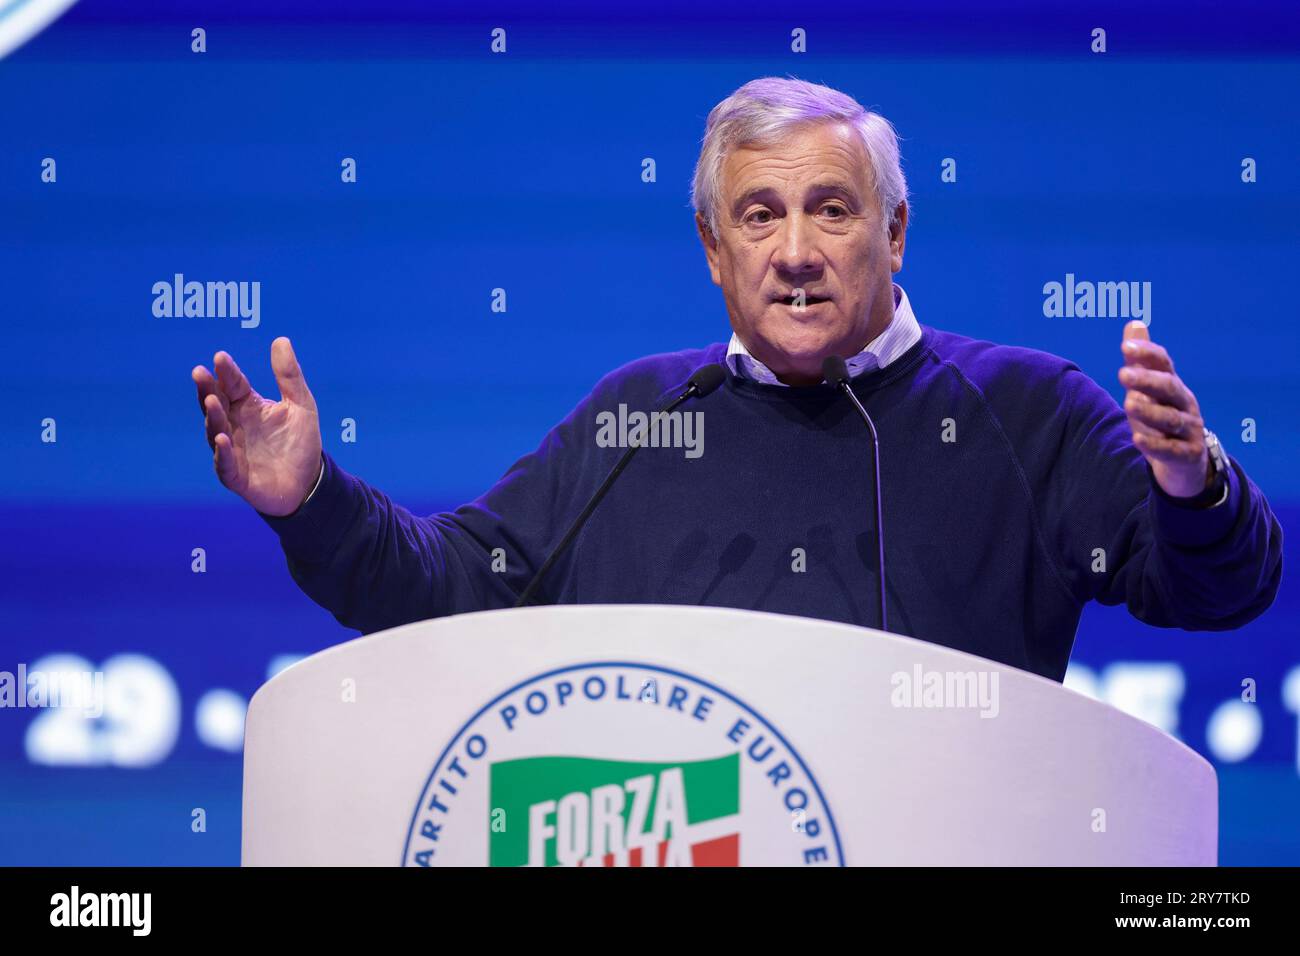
[522, 171]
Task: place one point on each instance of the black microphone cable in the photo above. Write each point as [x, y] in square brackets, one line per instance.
[836, 373]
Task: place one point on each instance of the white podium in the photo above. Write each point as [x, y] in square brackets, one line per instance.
[666, 735]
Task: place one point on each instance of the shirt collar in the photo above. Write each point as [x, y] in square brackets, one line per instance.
[900, 335]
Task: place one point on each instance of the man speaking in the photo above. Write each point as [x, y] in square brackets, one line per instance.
[999, 487]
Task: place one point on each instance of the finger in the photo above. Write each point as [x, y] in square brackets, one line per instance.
[233, 382]
[1161, 418]
[1140, 427]
[1136, 331]
[223, 456]
[1172, 450]
[1164, 387]
[215, 419]
[1147, 354]
[206, 384]
[288, 374]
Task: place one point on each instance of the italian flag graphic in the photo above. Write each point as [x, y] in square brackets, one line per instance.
[575, 811]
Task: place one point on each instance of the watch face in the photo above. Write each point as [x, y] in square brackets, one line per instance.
[1215, 451]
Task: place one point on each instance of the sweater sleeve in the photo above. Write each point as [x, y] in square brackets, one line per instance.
[1123, 540]
[374, 565]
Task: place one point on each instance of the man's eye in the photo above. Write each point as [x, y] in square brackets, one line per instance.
[840, 209]
[759, 212]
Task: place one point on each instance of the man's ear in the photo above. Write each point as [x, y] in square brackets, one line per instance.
[898, 236]
[710, 242]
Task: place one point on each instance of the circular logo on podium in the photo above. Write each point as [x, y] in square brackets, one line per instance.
[620, 764]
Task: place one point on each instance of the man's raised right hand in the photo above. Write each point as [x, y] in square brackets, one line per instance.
[268, 453]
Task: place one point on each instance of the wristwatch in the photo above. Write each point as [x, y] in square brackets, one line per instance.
[1217, 457]
[1217, 492]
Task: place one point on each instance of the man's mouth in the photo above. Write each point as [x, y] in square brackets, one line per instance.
[807, 300]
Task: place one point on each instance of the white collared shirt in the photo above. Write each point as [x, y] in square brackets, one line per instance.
[900, 335]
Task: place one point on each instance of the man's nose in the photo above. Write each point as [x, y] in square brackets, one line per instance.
[797, 245]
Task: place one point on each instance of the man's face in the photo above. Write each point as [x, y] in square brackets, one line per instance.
[803, 215]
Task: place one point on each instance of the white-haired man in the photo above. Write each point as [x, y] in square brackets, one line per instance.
[1005, 471]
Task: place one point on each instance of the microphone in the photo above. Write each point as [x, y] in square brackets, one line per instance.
[836, 373]
[703, 381]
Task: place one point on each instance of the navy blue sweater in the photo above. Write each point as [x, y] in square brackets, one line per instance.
[1013, 494]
